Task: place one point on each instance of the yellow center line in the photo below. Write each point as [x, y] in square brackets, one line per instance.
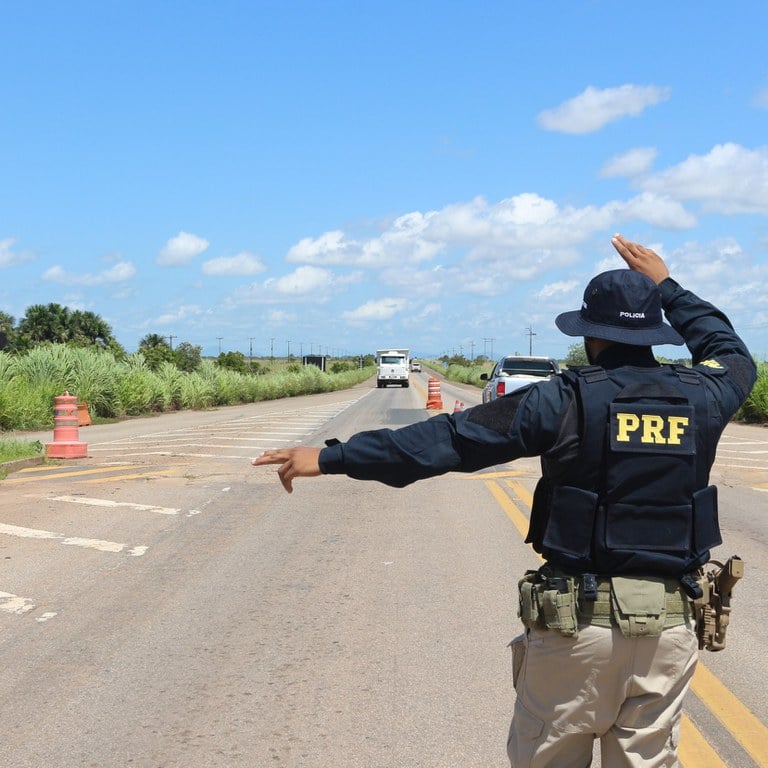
[694, 750]
[521, 492]
[112, 478]
[494, 475]
[519, 520]
[745, 727]
[74, 473]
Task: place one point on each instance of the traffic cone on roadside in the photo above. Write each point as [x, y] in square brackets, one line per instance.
[83, 415]
[66, 444]
[434, 399]
[458, 407]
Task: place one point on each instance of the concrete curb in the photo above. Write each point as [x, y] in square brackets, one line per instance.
[13, 466]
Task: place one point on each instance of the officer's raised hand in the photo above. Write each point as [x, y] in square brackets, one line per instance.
[302, 461]
[641, 259]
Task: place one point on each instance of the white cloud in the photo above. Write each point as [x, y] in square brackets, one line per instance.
[281, 317]
[186, 313]
[594, 108]
[302, 281]
[729, 179]
[375, 310]
[633, 163]
[7, 256]
[404, 242]
[123, 270]
[181, 249]
[241, 264]
[485, 245]
[658, 210]
[558, 288]
[329, 248]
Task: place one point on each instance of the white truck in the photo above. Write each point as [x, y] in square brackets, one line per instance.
[513, 372]
[392, 367]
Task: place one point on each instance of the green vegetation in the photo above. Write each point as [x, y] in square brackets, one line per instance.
[56, 324]
[115, 386]
[13, 450]
[755, 409]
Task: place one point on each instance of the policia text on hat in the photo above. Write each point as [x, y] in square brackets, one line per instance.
[623, 515]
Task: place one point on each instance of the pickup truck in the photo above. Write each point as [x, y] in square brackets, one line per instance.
[513, 372]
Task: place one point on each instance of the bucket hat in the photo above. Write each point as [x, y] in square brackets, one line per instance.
[620, 305]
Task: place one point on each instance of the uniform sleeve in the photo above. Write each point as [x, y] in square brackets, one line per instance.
[717, 352]
[525, 423]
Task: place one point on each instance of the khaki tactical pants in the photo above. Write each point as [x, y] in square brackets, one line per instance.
[626, 691]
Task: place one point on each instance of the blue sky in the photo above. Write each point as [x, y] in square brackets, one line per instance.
[340, 176]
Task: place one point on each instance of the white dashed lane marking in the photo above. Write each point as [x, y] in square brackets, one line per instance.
[90, 502]
[14, 604]
[73, 541]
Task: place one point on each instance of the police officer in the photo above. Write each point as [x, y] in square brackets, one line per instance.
[623, 514]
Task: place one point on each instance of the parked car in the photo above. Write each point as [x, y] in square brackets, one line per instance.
[513, 372]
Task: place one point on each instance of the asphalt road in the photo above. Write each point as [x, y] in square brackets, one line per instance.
[163, 603]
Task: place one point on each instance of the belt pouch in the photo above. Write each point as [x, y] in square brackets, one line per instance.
[560, 610]
[639, 605]
[529, 608]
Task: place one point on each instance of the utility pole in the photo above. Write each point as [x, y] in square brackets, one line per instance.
[471, 350]
[250, 352]
[484, 343]
[531, 334]
[288, 342]
[170, 341]
[219, 338]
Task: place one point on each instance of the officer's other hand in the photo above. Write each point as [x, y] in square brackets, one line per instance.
[294, 462]
[641, 259]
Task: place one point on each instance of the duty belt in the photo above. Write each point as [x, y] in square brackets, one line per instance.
[639, 606]
[601, 612]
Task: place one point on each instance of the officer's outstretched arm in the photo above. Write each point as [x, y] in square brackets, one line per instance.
[294, 462]
[641, 259]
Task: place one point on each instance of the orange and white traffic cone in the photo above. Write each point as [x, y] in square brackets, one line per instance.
[83, 415]
[434, 399]
[66, 444]
[458, 407]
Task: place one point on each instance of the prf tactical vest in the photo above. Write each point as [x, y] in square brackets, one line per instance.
[636, 499]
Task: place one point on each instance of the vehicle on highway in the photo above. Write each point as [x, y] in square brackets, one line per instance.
[392, 367]
[515, 371]
[415, 366]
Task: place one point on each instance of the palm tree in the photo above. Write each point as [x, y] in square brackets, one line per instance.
[7, 331]
[86, 328]
[156, 350]
[45, 322]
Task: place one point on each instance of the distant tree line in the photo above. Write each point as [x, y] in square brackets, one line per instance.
[56, 324]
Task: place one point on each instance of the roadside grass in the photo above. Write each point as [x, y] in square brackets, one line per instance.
[14, 450]
[118, 388]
